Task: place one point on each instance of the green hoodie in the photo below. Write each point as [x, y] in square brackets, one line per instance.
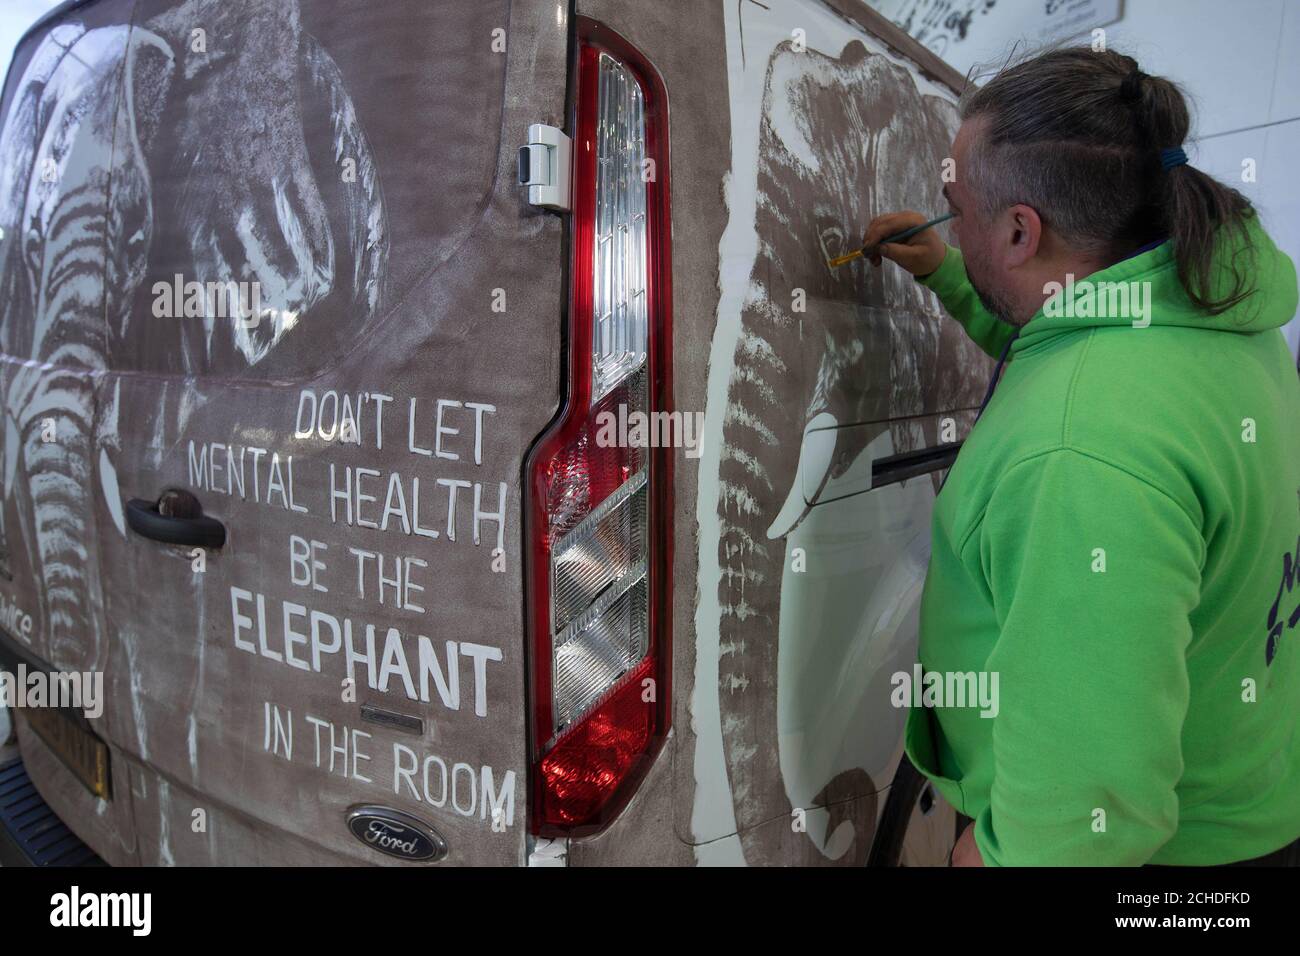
[1119, 542]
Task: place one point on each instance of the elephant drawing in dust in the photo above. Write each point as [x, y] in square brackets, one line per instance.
[842, 140]
[111, 132]
[68, 194]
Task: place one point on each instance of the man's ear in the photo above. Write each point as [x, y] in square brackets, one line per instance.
[1021, 233]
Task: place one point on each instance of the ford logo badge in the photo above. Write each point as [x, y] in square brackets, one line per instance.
[396, 833]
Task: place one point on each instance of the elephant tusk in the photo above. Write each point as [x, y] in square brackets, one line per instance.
[816, 453]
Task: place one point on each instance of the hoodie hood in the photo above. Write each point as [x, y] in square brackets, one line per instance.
[1144, 291]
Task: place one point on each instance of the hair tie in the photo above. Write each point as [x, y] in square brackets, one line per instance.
[1173, 156]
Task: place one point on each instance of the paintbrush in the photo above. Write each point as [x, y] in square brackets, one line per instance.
[897, 237]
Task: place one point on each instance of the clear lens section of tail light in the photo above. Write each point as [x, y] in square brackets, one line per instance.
[619, 293]
[600, 646]
[603, 550]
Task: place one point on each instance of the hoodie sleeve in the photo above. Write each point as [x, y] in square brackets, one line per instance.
[958, 296]
[1093, 573]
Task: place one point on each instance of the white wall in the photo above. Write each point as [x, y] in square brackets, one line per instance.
[1239, 62]
[15, 17]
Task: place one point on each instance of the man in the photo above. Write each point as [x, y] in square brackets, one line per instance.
[1119, 539]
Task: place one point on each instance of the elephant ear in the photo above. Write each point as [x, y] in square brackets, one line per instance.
[150, 72]
[301, 220]
[351, 182]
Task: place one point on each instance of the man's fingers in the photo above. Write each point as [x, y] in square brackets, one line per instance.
[920, 254]
[894, 252]
[899, 252]
[890, 223]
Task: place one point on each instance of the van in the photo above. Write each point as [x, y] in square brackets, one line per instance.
[438, 429]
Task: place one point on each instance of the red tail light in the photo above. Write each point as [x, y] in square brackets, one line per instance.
[599, 513]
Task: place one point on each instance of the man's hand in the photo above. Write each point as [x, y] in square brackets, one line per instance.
[920, 255]
[966, 853]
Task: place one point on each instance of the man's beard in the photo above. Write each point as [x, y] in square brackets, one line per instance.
[997, 305]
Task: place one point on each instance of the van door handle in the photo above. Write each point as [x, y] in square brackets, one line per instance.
[895, 468]
[175, 518]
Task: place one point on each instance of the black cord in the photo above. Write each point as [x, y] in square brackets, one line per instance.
[997, 373]
[988, 394]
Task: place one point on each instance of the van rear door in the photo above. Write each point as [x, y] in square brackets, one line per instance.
[331, 329]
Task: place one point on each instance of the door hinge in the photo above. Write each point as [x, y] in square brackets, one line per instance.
[544, 166]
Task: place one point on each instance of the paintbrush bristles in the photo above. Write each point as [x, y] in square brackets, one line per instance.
[840, 260]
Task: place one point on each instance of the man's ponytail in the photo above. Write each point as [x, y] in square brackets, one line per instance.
[1200, 214]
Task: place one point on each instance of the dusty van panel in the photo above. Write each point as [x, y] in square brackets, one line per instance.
[830, 128]
[305, 209]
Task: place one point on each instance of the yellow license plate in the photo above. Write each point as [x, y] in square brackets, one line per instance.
[83, 753]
